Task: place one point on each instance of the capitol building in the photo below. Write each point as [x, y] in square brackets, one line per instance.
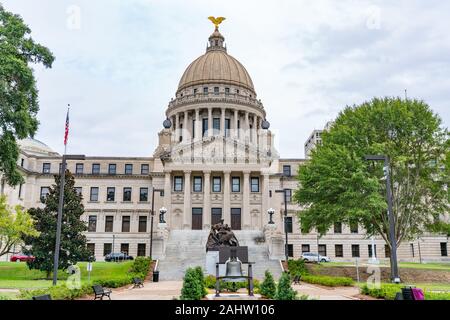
[215, 159]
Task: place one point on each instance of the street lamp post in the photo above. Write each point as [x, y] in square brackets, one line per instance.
[286, 251]
[161, 193]
[394, 266]
[271, 212]
[60, 211]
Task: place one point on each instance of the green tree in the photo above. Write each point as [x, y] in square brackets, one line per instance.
[14, 224]
[18, 92]
[192, 287]
[201, 279]
[284, 290]
[73, 241]
[268, 287]
[338, 185]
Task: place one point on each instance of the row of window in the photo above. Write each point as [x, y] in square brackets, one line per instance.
[124, 247]
[110, 194]
[109, 223]
[95, 168]
[178, 184]
[339, 250]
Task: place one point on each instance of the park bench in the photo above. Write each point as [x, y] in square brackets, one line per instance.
[101, 292]
[296, 279]
[43, 297]
[138, 283]
[407, 294]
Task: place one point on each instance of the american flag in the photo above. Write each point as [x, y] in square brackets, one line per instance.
[66, 132]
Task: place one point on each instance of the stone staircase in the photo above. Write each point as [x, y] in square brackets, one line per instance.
[186, 248]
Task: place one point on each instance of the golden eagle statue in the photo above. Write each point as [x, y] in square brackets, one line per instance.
[216, 21]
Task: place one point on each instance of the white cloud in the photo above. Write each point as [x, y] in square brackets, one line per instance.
[308, 59]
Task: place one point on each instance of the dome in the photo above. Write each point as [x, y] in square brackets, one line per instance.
[216, 66]
[35, 147]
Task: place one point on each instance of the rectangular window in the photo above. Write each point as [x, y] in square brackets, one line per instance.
[94, 194]
[124, 248]
[125, 223]
[141, 250]
[143, 194]
[353, 227]
[205, 90]
[305, 248]
[20, 190]
[387, 251]
[128, 168]
[216, 215]
[91, 249]
[355, 250]
[288, 195]
[204, 126]
[411, 245]
[227, 90]
[288, 224]
[235, 184]
[44, 193]
[287, 170]
[79, 168]
[92, 225]
[337, 227]
[217, 184]
[338, 250]
[178, 183]
[142, 223]
[369, 248]
[79, 191]
[107, 248]
[323, 249]
[127, 194]
[22, 162]
[444, 252]
[216, 126]
[96, 168]
[145, 168]
[46, 167]
[109, 223]
[216, 90]
[111, 194]
[112, 168]
[227, 127]
[197, 184]
[195, 91]
[254, 184]
[290, 248]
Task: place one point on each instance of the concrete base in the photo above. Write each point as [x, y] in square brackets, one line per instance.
[233, 296]
[212, 257]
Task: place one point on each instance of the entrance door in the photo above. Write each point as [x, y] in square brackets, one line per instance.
[216, 215]
[236, 218]
[197, 221]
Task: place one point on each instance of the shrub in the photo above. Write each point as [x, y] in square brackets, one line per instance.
[201, 279]
[140, 267]
[388, 291]
[328, 281]
[192, 287]
[268, 287]
[210, 283]
[297, 267]
[60, 292]
[284, 290]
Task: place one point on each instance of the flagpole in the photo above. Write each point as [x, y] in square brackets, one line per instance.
[62, 182]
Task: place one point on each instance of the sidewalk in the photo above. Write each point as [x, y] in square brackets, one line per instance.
[327, 293]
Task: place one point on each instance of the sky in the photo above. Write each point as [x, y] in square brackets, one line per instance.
[118, 62]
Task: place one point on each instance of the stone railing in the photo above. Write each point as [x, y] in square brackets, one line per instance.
[215, 97]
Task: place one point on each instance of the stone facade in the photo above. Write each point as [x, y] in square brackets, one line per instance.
[215, 159]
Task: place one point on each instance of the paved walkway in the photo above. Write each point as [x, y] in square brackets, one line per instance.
[168, 290]
[327, 293]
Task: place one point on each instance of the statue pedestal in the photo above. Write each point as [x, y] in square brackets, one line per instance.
[275, 241]
[212, 257]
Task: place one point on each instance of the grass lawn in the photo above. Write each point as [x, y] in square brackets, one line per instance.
[412, 265]
[17, 275]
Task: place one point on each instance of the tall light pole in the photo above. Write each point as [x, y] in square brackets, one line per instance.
[161, 193]
[394, 265]
[62, 183]
[286, 251]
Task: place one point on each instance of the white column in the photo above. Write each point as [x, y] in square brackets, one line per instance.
[226, 197]
[210, 121]
[206, 199]
[167, 195]
[222, 122]
[187, 214]
[185, 128]
[247, 127]
[265, 198]
[177, 125]
[198, 130]
[236, 118]
[246, 201]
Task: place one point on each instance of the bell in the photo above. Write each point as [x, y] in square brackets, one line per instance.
[233, 271]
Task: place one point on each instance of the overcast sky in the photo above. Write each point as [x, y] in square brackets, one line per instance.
[118, 62]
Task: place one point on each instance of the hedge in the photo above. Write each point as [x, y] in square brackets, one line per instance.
[388, 291]
[328, 281]
[297, 267]
[210, 283]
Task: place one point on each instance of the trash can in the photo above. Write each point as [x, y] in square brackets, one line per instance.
[155, 276]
